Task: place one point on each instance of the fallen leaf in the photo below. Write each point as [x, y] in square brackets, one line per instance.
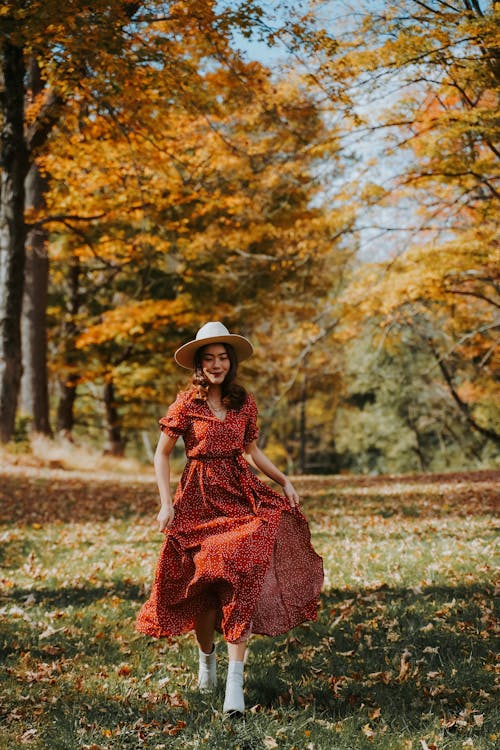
[270, 742]
[368, 731]
[173, 729]
[404, 666]
[425, 746]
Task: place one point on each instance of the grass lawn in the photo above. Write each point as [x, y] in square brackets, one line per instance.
[402, 655]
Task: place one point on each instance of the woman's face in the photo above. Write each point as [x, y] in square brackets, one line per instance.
[215, 363]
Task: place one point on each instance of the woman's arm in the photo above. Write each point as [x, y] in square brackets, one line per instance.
[262, 462]
[162, 470]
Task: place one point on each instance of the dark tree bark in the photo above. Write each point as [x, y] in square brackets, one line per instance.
[68, 384]
[115, 445]
[14, 165]
[34, 384]
[65, 406]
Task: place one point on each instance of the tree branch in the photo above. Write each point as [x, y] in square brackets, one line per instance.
[434, 10]
[473, 294]
[40, 128]
[63, 219]
[462, 405]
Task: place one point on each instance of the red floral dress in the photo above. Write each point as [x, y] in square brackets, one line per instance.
[235, 544]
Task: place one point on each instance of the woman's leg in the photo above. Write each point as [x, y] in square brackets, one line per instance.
[205, 629]
[236, 651]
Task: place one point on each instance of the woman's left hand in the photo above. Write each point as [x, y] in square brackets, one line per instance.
[291, 493]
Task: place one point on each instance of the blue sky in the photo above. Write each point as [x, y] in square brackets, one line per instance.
[371, 165]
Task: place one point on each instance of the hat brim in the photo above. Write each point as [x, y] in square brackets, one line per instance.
[184, 356]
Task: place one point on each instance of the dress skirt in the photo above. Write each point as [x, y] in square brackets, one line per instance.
[235, 545]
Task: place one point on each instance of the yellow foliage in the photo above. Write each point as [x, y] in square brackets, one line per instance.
[130, 321]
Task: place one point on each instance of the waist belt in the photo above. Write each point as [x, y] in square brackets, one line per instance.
[215, 456]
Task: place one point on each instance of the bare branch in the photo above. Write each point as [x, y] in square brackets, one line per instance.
[474, 294]
[462, 405]
[435, 10]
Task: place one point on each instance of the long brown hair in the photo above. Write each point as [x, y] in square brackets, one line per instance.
[233, 394]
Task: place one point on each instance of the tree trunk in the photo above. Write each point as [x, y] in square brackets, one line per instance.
[14, 166]
[68, 384]
[65, 407]
[34, 384]
[418, 447]
[303, 426]
[147, 446]
[115, 445]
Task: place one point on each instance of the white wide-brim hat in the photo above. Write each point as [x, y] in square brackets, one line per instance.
[213, 333]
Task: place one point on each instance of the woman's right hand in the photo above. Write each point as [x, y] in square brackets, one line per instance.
[165, 517]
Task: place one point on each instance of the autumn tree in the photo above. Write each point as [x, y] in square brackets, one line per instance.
[45, 52]
[199, 207]
[435, 204]
[46, 48]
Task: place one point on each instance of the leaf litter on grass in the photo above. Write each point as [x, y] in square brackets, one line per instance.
[403, 653]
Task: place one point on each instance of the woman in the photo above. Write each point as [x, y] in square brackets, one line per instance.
[237, 556]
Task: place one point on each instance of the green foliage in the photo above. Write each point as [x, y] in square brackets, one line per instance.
[397, 414]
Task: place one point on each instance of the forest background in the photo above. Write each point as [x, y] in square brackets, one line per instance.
[323, 177]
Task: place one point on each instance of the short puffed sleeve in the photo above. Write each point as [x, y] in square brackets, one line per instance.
[175, 422]
[251, 429]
